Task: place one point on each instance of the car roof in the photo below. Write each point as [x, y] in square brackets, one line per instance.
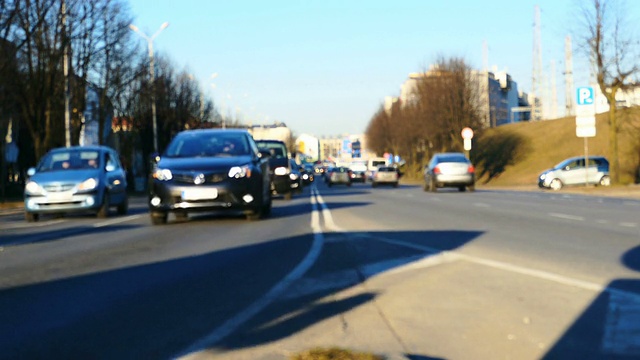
[83, 147]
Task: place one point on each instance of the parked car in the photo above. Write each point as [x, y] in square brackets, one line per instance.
[282, 181]
[572, 171]
[385, 175]
[76, 179]
[340, 175]
[210, 170]
[449, 169]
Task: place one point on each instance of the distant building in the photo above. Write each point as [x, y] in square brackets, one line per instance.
[344, 148]
[498, 97]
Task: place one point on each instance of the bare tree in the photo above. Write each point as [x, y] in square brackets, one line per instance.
[612, 49]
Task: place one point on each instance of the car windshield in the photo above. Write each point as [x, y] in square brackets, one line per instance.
[207, 144]
[70, 160]
[277, 149]
[452, 158]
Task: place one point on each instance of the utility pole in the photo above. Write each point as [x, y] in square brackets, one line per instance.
[65, 64]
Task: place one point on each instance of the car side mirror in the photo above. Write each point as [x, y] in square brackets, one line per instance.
[110, 167]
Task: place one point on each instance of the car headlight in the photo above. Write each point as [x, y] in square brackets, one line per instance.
[240, 172]
[281, 171]
[162, 174]
[88, 184]
[32, 188]
[543, 176]
[293, 176]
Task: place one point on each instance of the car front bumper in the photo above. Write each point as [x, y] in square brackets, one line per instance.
[241, 195]
[62, 203]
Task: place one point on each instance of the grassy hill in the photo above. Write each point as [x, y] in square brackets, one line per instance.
[536, 146]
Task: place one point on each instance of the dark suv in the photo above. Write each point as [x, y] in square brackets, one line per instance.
[282, 180]
[210, 170]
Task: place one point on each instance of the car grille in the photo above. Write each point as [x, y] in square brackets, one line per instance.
[189, 178]
[58, 187]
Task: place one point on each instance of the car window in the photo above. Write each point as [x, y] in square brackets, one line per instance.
[277, 150]
[70, 160]
[208, 144]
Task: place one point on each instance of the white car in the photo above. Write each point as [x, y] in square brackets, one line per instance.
[572, 171]
[385, 175]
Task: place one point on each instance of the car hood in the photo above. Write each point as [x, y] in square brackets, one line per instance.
[68, 176]
[202, 163]
[547, 171]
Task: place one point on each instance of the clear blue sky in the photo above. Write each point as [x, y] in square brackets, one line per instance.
[324, 67]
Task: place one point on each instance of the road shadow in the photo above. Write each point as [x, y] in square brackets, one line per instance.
[162, 307]
[610, 327]
[46, 235]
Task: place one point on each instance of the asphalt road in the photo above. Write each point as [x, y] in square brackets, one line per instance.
[395, 271]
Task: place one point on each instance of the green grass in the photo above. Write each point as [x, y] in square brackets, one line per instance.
[551, 141]
[334, 353]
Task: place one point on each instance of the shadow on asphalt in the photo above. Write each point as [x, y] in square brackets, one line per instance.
[162, 307]
[610, 327]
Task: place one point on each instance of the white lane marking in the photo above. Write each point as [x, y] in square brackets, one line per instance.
[622, 326]
[586, 285]
[628, 224]
[567, 217]
[199, 346]
[116, 221]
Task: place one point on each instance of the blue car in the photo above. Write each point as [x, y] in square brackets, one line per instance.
[76, 179]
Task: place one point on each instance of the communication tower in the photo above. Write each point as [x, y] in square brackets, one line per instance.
[536, 80]
[568, 78]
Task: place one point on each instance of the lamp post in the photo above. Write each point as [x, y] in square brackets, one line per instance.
[153, 78]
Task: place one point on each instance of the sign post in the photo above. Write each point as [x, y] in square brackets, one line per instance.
[467, 135]
[585, 121]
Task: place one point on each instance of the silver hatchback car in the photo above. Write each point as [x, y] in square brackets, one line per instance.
[572, 171]
[76, 179]
[449, 170]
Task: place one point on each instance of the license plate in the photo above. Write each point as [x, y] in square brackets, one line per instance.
[200, 194]
[60, 196]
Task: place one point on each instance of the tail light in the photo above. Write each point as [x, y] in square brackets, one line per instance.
[436, 170]
[471, 169]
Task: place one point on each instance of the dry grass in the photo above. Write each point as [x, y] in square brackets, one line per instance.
[334, 354]
[552, 141]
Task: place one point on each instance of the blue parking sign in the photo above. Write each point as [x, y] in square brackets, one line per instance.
[585, 95]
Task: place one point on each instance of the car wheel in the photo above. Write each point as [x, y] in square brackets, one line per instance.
[31, 217]
[103, 212]
[124, 206]
[462, 188]
[605, 181]
[158, 217]
[555, 184]
[395, 185]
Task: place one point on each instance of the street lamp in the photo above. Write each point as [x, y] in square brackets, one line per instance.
[153, 78]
